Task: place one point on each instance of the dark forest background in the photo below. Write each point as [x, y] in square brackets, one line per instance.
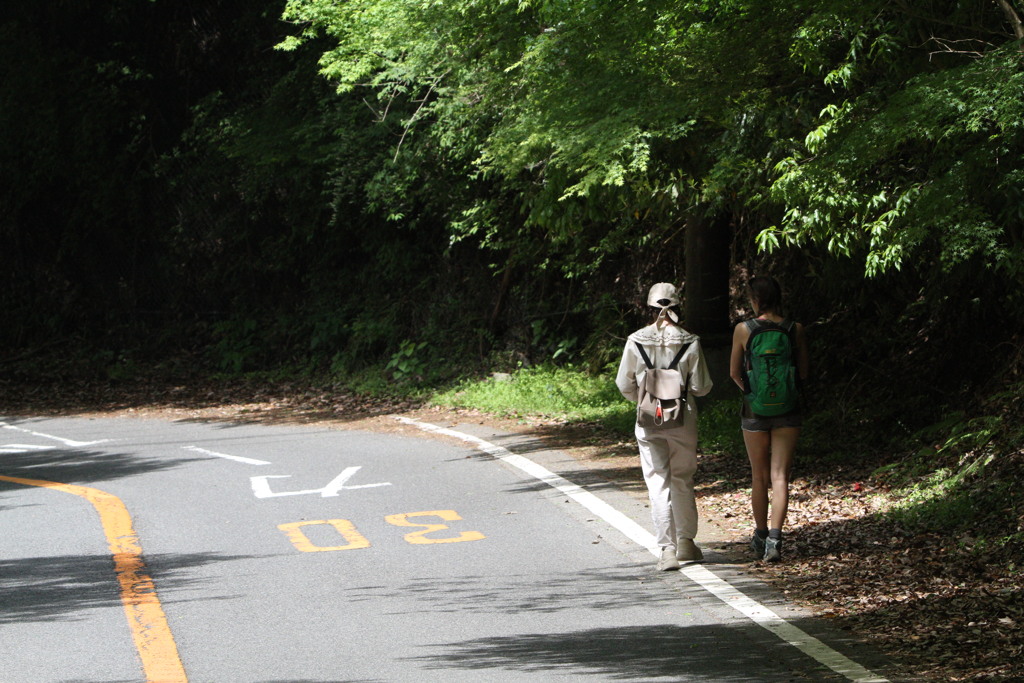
[478, 186]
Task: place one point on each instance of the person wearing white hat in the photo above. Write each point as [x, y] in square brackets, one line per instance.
[668, 452]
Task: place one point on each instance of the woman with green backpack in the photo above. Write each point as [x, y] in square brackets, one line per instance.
[768, 362]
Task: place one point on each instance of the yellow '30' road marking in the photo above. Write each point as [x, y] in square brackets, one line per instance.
[146, 618]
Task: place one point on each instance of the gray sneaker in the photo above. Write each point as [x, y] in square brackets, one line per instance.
[687, 551]
[757, 545]
[772, 549]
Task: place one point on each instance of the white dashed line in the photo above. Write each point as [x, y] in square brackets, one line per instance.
[23, 448]
[66, 442]
[236, 458]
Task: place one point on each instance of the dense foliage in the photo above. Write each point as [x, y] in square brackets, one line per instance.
[471, 183]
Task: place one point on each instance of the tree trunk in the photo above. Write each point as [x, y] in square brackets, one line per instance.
[708, 244]
[1013, 18]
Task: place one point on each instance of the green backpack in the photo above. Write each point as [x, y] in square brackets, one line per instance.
[771, 368]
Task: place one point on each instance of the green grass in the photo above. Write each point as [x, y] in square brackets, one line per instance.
[963, 484]
[573, 395]
[562, 393]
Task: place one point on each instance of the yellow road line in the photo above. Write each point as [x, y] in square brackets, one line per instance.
[146, 618]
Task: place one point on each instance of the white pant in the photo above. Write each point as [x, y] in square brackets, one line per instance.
[668, 459]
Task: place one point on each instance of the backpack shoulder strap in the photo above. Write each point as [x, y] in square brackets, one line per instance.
[671, 366]
[643, 354]
[753, 325]
[789, 327]
[679, 356]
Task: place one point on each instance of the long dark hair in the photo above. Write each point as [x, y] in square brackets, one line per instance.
[766, 292]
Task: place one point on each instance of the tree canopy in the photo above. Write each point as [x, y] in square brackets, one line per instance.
[873, 128]
[510, 174]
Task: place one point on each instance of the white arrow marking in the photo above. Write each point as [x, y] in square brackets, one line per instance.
[261, 485]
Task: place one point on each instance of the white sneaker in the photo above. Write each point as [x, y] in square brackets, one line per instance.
[687, 551]
[668, 560]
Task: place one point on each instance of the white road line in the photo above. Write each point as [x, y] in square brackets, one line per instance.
[236, 458]
[702, 576]
[22, 448]
[66, 442]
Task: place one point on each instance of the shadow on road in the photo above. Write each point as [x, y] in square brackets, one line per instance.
[79, 466]
[654, 652]
[607, 588]
[61, 588]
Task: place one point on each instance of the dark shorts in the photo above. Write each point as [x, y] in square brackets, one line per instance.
[755, 423]
[767, 424]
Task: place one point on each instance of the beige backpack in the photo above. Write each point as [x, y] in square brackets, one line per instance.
[661, 395]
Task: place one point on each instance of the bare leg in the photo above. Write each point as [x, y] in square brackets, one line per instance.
[783, 445]
[759, 446]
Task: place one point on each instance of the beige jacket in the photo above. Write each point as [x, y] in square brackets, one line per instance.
[661, 346]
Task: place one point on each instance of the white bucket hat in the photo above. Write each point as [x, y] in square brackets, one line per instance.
[663, 295]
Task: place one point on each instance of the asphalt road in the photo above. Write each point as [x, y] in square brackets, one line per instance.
[224, 553]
